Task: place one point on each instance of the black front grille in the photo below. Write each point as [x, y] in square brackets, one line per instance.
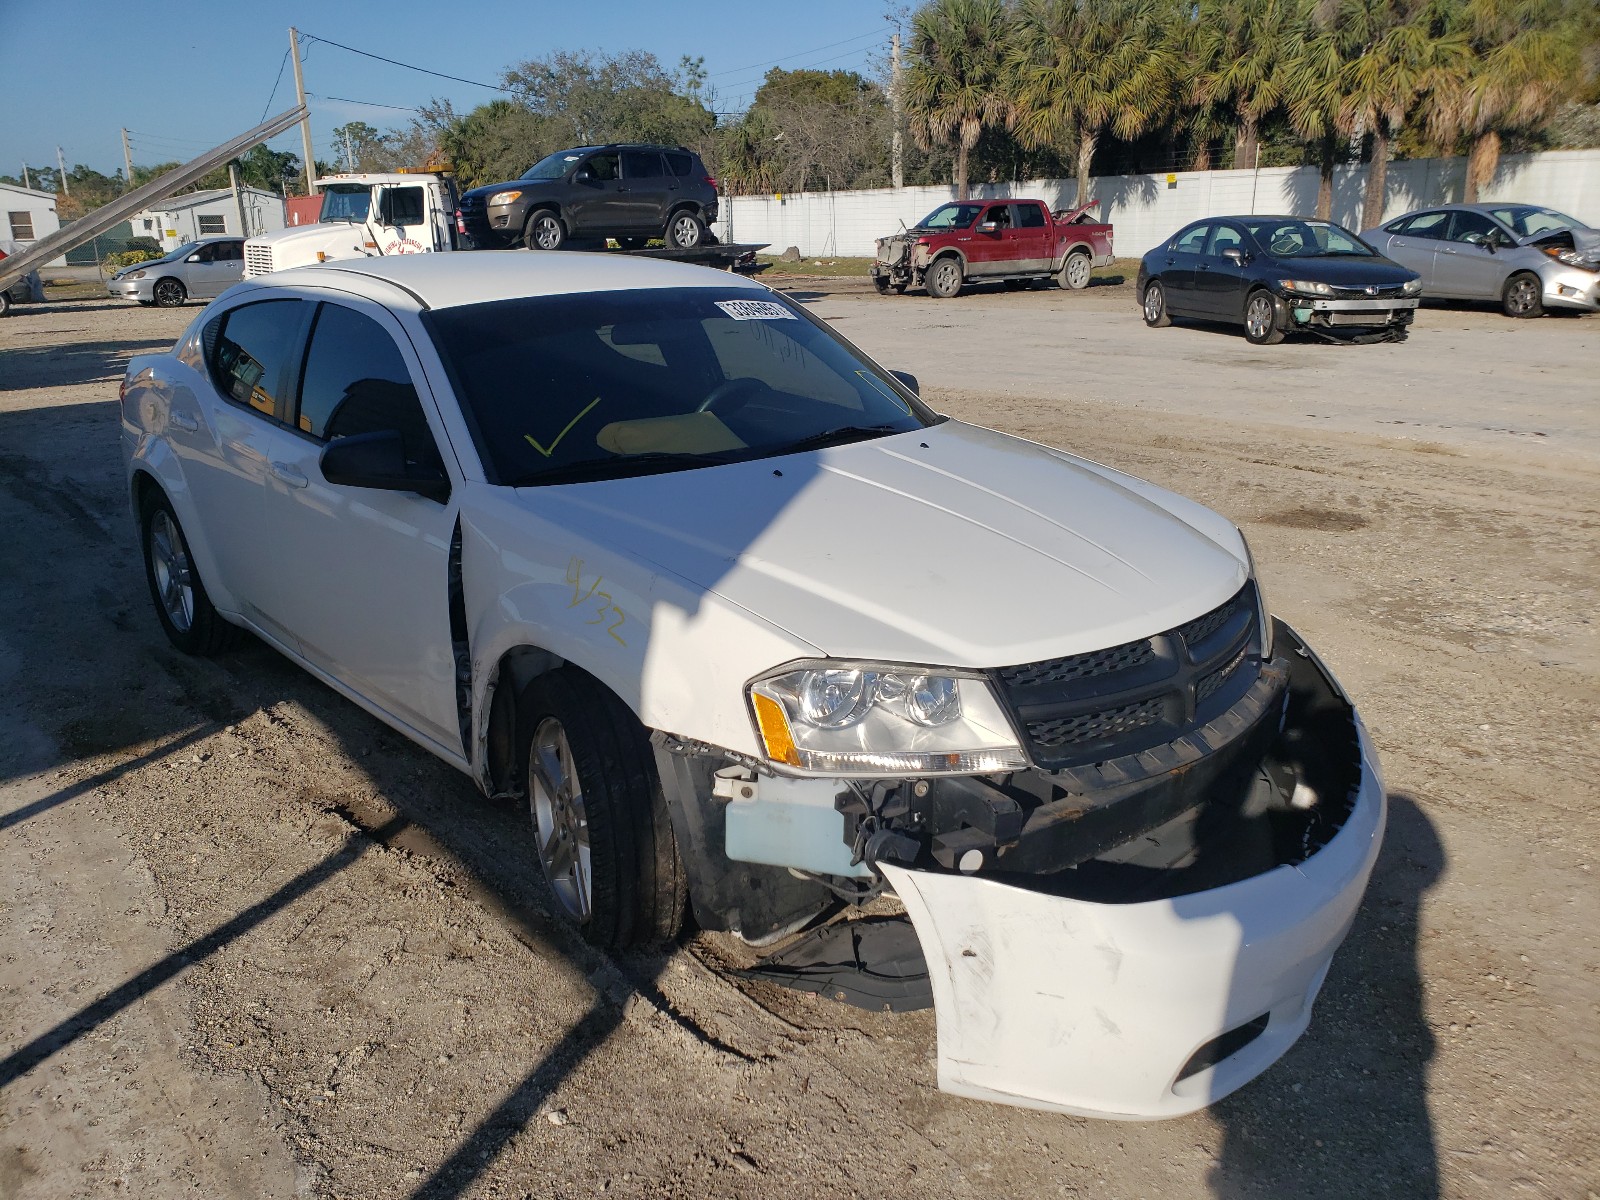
[1105, 704]
[1384, 292]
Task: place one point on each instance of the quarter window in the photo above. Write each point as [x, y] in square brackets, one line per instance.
[681, 165]
[355, 381]
[211, 225]
[248, 351]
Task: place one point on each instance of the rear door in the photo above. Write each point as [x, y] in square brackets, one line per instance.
[360, 576]
[643, 191]
[1030, 237]
[1471, 269]
[1180, 264]
[1414, 241]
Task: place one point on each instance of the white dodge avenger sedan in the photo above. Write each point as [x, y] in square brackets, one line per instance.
[758, 636]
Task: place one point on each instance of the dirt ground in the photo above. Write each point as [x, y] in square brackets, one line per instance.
[252, 944]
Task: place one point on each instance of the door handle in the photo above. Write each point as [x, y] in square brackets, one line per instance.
[1171, 261]
[290, 474]
[183, 421]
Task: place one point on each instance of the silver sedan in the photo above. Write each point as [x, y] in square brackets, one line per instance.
[1524, 257]
[203, 269]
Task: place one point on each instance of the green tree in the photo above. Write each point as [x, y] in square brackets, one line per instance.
[1521, 59]
[1085, 69]
[586, 99]
[954, 81]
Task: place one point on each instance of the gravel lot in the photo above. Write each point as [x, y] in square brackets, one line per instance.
[253, 944]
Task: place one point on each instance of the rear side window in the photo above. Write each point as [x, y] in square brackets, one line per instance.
[248, 349]
[1192, 241]
[681, 165]
[1029, 216]
[355, 381]
[641, 164]
[1423, 225]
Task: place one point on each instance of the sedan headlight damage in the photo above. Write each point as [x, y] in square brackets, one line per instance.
[881, 719]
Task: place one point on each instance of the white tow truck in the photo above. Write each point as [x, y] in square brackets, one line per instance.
[364, 215]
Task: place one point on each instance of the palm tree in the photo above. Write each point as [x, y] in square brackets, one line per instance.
[1395, 51]
[953, 83]
[1081, 68]
[1240, 59]
[1520, 59]
[1314, 92]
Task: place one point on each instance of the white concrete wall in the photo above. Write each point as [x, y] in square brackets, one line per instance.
[1147, 209]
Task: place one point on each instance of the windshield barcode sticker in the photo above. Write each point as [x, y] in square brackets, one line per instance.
[756, 310]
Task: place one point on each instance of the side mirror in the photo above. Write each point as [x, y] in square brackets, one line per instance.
[910, 380]
[1478, 239]
[378, 461]
[1234, 254]
[584, 175]
[193, 258]
[989, 227]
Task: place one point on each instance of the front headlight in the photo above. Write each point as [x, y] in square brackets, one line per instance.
[504, 197]
[1305, 287]
[138, 275]
[1263, 615]
[1413, 287]
[871, 719]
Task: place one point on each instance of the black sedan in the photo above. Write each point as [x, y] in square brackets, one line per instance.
[1275, 275]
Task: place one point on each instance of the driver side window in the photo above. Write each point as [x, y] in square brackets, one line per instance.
[1464, 224]
[1224, 237]
[602, 167]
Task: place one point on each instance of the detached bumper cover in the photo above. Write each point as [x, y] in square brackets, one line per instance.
[1141, 1010]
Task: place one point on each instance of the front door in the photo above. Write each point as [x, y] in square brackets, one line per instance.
[986, 252]
[593, 200]
[217, 266]
[1468, 264]
[361, 576]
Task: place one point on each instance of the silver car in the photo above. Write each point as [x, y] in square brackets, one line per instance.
[204, 269]
[1522, 256]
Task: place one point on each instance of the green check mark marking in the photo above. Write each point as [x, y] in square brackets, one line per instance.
[563, 433]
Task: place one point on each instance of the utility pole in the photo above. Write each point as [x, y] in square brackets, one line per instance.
[238, 198]
[127, 159]
[26, 182]
[897, 143]
[61, 162]
[300, 95]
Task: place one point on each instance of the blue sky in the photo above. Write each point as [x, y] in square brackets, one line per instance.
[184, 75]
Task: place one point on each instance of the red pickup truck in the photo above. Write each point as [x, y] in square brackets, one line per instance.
[983, 241]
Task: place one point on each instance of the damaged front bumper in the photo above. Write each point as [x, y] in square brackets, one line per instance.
[1329, 314]
[1133, 952]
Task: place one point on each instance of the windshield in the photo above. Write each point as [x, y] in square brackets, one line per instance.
[1525, 220]
[345, 202]
[951, 216]
[552, 166]
[1290, 237]
[561, 389]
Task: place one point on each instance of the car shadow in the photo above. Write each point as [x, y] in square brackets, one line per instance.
[1288, 1133]
[25, 367]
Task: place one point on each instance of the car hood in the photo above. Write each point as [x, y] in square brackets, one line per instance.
[951, 545]
[1343, 272]
[486, 190]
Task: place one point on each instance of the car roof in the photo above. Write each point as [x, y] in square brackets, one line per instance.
[477, 277]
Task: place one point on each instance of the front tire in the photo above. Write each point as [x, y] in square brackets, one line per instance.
[944, 279]
[685, 231]
[187, 616]
[1075, 271]
[1261, 320]
[603, 838]
[544, 231]
[5, 304]
[168, 293]
[1155, 305]
[1523, 296]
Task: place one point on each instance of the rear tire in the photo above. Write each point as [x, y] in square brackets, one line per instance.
[544, 231]
[603, 838]
[1075, 271]
[168, 293]
[187, 616]
[944, 278]
[5, 304]
[1261, 319]
[1523, 296]
[1154, 305]
[685, 230]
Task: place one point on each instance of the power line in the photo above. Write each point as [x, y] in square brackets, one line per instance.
[797, 54]
[282, 62]
[803, 67]
[368, 103]
[394, 62]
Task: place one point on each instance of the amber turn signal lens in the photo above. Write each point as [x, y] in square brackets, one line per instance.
[775, 733]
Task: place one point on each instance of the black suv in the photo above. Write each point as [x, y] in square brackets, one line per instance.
[631, 193]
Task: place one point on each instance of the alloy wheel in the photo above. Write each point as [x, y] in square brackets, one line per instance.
[560, 821]
[1078, 271]
[169, 560]
[1258, 317]
[1523, 295]
[1153, 304]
